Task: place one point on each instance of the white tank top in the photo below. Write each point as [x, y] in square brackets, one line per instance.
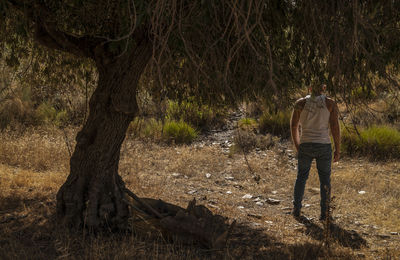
[314, 121]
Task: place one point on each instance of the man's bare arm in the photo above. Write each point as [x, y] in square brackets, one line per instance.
[295, 122]
[335, 129]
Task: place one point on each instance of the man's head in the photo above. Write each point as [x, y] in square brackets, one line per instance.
[317, 89]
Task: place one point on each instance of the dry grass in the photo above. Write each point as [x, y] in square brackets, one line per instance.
[34, 165]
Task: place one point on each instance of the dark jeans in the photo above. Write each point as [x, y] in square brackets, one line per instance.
[323, 155]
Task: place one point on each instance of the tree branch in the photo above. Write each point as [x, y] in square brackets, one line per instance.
[48, 34]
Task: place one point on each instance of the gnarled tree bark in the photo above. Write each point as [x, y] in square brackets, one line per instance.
[93, 194]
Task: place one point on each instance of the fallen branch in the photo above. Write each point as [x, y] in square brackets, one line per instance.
[144, 204]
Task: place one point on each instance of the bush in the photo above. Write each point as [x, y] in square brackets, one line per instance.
[199, 116]
[46, 114]
[375, 142]
[362, 93]
[246, 141]
[178, 132]
[146, 128]
[276, 123]
[10, 110]
[248, 124]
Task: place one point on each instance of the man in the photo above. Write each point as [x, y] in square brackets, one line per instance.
[315, 113]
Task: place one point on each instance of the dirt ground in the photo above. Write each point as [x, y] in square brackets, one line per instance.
[366, 202]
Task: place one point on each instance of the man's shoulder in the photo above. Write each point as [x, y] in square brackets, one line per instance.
[330, 103]
[299, 104]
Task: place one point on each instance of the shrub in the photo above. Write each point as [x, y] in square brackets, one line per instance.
[197, 115]
[276, 123]
[247, 141]
[362, 93]
[46, 114]
[10, 110]
[375, 142]
[248, 124]
[178, 132]
[145, 128]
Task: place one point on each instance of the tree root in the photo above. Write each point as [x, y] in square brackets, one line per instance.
[194, 224]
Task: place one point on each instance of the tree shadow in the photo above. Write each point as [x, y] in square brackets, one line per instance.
[345, 238]
[247, 242]
[39, 236]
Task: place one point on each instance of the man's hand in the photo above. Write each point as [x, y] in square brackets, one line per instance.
[336, 156]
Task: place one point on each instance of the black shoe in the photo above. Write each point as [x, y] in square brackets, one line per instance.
[296, 212]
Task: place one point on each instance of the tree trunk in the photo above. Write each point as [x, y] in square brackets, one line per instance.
[93, 194]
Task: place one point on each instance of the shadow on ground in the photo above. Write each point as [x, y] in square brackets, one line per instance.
[338, 234]
[38, 236]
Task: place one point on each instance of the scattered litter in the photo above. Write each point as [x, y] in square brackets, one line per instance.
[229, 192]
[175, 174]
[307, 205]
[259, 203]
[269, 222]
[247, 196]
[192, 191]
[229, 178]
[208, 175]
[274, 192]
[255, 224]
[213, 206]
[362, 192]
[240, 207]
[273, 201]
[186, 177]
[257, 199]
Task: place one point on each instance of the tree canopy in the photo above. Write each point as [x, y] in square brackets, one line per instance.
[222, 50]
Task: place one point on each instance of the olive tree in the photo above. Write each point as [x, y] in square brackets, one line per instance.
[222, 51]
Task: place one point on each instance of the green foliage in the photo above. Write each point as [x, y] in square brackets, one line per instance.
[248, 124]
[197, 115]
[146, 128]
[375, 142]
[362, 94]
[47, 114]
[276, 123]
[178, 132]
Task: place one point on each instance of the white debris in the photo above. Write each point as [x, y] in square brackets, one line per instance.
[229, 192]
[208, 175]
[247, 196]
[362, 192]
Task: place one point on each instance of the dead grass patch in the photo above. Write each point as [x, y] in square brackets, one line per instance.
[217, 180]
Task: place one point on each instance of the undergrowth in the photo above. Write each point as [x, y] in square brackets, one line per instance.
[276, 123]
[375, 142]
